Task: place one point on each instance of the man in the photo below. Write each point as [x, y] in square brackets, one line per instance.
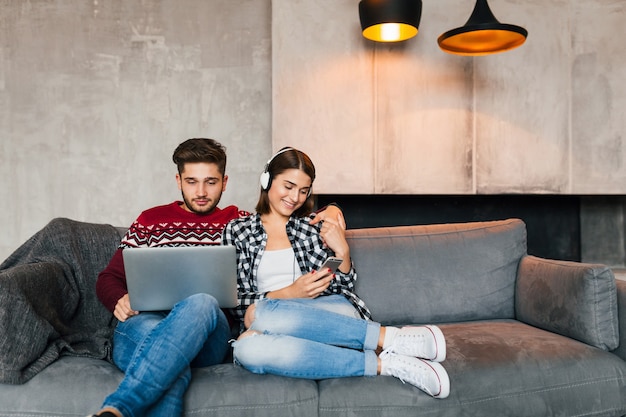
[196, 331]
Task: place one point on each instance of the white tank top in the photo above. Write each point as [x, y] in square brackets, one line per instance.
[277, 269]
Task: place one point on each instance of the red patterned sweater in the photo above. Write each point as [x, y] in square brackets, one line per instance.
[167, 225]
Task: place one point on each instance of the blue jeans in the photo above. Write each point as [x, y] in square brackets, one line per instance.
[309, 338]
[156, 351]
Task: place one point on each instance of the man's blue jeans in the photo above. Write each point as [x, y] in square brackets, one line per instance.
[156, 351]
[309, 338]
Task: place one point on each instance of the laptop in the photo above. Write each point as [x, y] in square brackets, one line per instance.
[158, 278]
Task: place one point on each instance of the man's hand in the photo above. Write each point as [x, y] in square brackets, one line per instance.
[122, 309]
[330, 212]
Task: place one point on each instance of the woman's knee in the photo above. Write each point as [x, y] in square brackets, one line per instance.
[246, 351]
[259, 312]
[247, 333]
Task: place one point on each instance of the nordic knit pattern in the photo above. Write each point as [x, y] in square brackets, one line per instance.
[171, 225]
[167, 225]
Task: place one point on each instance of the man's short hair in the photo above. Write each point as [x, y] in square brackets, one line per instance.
[200, 150]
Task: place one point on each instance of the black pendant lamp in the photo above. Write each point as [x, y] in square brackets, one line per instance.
[390, 20]
[482, 34]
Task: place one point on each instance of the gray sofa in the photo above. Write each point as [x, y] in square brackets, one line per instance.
[526, 336]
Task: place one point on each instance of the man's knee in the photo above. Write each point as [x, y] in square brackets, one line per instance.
[201, 304]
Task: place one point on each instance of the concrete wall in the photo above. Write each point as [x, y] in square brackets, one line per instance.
[95, 95]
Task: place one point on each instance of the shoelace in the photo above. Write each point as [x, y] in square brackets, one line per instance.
[400, 372]
[408, 341]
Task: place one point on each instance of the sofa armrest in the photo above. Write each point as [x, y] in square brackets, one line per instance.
[574, 299]
[621, 306]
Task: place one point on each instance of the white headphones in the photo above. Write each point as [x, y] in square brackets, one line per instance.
[266, 179]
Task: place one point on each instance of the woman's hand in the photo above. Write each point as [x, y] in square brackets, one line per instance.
[333, 233]
[122, 309]
[309, 285]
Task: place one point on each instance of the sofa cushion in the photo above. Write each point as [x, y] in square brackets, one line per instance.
[71, 386]
[229, 390]
[573, 299]
[496, 368]
[407, 273]
[74, 386]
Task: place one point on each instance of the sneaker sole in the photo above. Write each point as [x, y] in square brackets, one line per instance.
[440, 344]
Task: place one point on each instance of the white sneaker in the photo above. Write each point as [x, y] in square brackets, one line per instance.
[425, 342]
[428, 376]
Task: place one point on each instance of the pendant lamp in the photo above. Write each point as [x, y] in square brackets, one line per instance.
[390, 20]
[483, 34]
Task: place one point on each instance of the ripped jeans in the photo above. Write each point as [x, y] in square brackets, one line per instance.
[309, 338]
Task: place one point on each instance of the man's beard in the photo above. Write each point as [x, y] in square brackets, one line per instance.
[202, 210]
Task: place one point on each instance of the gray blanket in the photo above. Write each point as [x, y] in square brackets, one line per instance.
[48, 304]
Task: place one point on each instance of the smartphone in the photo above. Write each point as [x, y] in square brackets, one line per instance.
[332, 263]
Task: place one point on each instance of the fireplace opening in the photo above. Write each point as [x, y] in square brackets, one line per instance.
[552, 222]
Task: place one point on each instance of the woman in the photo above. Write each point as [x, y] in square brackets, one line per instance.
[303, 322]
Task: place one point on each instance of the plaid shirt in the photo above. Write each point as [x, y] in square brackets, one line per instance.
[249, 238]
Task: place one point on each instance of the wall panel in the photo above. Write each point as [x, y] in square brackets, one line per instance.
[322, 85]
[523, 104]
[423, 114]
[598, 97]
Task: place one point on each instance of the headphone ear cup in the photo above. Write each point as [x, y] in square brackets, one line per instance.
[265, 180]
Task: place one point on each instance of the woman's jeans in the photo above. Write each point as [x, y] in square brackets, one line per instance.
[309, 338]
[156, 351]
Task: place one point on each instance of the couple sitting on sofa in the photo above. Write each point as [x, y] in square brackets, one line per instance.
[289, 308]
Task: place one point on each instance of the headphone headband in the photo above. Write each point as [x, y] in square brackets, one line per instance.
[269, 161]
[266, 179]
